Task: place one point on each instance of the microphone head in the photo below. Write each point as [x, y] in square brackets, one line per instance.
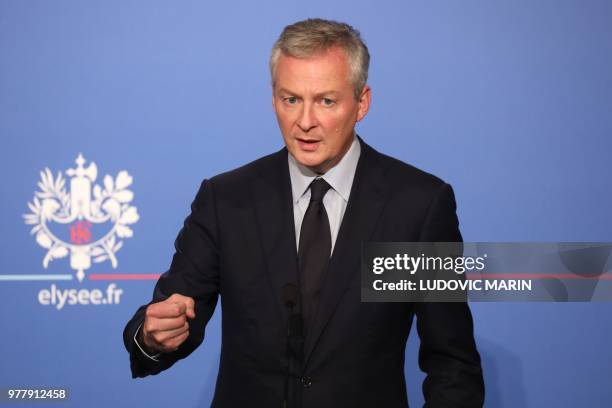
[290, 295]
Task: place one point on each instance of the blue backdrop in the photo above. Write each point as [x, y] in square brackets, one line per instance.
[509, 101]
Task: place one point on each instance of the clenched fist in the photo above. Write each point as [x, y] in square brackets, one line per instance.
[166, 326]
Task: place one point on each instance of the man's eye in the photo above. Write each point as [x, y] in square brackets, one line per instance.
[291, 100]
[328, 102]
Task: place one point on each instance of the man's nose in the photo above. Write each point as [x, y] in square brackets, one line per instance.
[307, 119]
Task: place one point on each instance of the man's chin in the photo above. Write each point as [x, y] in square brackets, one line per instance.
[313, 161]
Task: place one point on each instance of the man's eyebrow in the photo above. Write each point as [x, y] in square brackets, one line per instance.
[327, 93]
[317, 95]
[286, 91]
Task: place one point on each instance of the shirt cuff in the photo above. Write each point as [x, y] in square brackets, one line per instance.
[154, 357]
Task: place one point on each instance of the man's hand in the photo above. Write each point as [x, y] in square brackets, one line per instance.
[166, 327]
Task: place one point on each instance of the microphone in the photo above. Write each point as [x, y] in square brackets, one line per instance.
[290, 295]
[294, 326]
[294, 329]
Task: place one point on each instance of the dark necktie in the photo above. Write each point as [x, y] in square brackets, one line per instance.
[314, 248]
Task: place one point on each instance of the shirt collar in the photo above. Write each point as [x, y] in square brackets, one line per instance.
[340, 177]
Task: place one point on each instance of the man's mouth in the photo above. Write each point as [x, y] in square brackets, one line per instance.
[308, 145]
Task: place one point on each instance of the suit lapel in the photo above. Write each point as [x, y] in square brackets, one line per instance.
[272, 198]
[366, 202]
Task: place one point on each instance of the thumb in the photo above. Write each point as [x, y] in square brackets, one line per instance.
[190, 310]
[185, 301]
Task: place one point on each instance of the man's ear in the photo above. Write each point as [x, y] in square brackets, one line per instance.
[364, 102]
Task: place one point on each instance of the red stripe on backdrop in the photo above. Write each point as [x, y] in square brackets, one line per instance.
[124, 276]
[605, 276]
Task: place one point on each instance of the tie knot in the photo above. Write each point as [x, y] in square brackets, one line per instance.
[318, 188]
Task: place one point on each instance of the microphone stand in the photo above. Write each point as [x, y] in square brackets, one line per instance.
[290, 295]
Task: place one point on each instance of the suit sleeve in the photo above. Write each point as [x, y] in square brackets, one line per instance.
[448, 353]
[194, 272]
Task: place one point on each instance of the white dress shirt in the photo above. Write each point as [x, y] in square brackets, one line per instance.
[340, 178]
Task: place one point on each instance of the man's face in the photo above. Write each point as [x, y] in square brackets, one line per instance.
[316, 107]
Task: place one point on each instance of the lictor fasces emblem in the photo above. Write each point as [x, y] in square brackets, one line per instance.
[86, 208]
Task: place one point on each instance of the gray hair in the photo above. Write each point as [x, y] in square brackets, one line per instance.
[314, 35]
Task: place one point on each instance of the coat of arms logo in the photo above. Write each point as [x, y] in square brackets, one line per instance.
[88, 222]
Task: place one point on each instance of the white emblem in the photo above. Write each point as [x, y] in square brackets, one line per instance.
[86, 206]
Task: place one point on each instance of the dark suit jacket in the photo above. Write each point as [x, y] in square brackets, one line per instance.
[239, 242]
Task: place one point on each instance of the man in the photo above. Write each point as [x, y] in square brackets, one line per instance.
[296, 219]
